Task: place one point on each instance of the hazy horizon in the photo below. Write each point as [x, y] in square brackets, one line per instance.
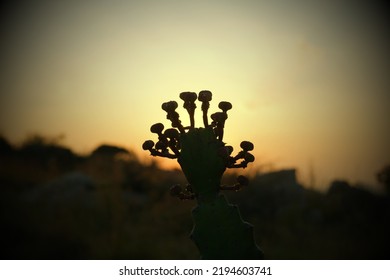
[308, 81]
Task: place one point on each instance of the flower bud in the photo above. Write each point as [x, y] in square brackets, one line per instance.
[175, 190]
[157, 128]
[148, 145]
[242, 180]
[171, 133]
[225, 106]
[229, 150]
[249, 157]
[188, 96]
[219, 117]
[161, 145]
[205, 96]
[246, 146]
[169, 106]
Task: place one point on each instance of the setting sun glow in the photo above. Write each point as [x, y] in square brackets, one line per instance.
[308, 82]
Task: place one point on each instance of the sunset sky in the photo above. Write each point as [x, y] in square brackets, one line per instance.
[308, 80]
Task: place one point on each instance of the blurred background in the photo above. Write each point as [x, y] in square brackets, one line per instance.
[83, 81]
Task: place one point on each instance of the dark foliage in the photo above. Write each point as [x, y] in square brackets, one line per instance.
[58, 205]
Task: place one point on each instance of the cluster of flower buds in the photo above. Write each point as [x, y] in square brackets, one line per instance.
[244, 155]
[167, 139]
[169, 146]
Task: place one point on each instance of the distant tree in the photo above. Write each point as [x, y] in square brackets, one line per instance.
[5, 147]
[339, 187]
[383, 177]
[108, 150]
[48, 151]
[39, 140]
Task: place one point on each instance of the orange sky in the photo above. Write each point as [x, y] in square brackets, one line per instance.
[308, 81]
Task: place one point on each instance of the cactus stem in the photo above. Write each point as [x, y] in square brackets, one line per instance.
[189, 104]
[205, 97]
[172, 146]
[205, 119]
[240, 155]
[155, 153]
[219, 231]
[242, 164]
[235, 187]
[185, 194]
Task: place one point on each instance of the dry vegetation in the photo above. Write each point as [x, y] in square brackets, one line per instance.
[107, 205]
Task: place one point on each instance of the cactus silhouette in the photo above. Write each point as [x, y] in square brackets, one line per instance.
[219, 231]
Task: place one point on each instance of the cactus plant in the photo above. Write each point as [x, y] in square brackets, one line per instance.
[219, 231]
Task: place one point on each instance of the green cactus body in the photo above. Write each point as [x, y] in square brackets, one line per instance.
[200, 162]
[219, 231]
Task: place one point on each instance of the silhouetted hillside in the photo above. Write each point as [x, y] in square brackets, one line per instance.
[108, 150]
[5, 147]
[57, 204]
